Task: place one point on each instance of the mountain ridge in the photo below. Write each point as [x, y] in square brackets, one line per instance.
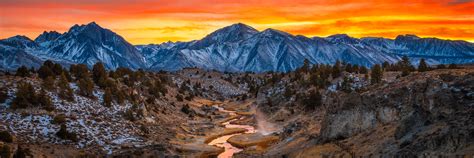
[238, 47]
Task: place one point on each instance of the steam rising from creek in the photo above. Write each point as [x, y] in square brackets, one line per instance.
[264, 127]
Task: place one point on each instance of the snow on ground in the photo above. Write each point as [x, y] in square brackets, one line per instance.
[94, 124]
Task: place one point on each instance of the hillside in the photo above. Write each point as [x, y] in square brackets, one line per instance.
[314, 111]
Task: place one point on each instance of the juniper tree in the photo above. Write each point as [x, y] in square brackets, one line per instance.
[79, 71]
[336, 69]
[45, 101]
[376, 74]
[48, 83]
[25, 96]
[99, 75]
[385, 66]
[45, 71]
[452, 66]
[86, 87]
[108, 98]
[64, 90]
[441, 66]
[422, 67]
[312, 100]
[3, 95]
[57, 69]
[405, 65]
[305, 67]
[22, 71]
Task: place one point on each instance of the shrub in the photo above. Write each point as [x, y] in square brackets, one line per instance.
[179, 97]
[6, 137]
[59, 119]
[422, 67]
[22, 71]
[452, 66]
[45, 71]
[441, 66]
[99, 75]
[312, 100]
[86, 87]
[25, 96]
[22, 153]
[376, 74]
[107, 98]
[3, 95]
[5, 151]
[64, 134]
[129, 115]
[65, 91]
[45, 101]
[48, 83]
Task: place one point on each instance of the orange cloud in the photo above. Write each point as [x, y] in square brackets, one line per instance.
[151, 21]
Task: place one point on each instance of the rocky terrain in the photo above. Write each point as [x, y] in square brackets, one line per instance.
[314, 111]
[426, 114]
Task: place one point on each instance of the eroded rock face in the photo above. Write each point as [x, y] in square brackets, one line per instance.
[431, 113]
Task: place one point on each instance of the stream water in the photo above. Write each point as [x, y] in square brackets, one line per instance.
[230, 150]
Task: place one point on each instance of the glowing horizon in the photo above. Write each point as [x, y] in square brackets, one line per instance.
[146, 21]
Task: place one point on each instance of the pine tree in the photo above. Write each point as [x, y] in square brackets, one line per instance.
[45, 101]
[422, 67]
[25, 96]
[405, 65]
[349, 68]
[79, 71]
[57, 69]
[22, 71]
[49, 64]
[65, 91]
[48, 83]
[3, 95]
[86, 87]
[363, 70]
[5, 151]
[108, 98]
[64, 134]
[305, 67]
[441, 66]
[312, 100]
[336, 69]
[99, 75]
[452, 66]
[346, 84]
[385, 66]
[45, 71]
[376, 74]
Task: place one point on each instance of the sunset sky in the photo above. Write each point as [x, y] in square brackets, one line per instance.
[156, 21]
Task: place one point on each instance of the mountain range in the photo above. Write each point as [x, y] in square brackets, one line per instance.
[237, 47]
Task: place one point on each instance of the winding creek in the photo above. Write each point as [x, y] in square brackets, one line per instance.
[229, 149]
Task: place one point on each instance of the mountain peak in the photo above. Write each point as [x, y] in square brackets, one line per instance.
[232, 33]
[47, 36]
[90, 26]
[407, 37]
[271, 31]
[20, 41]
[342, 38]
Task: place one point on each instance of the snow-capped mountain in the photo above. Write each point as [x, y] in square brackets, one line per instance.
[90, 44]
[13, 53]
[238, 47]
[241, 48]
[47, 37]
[86, 44]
